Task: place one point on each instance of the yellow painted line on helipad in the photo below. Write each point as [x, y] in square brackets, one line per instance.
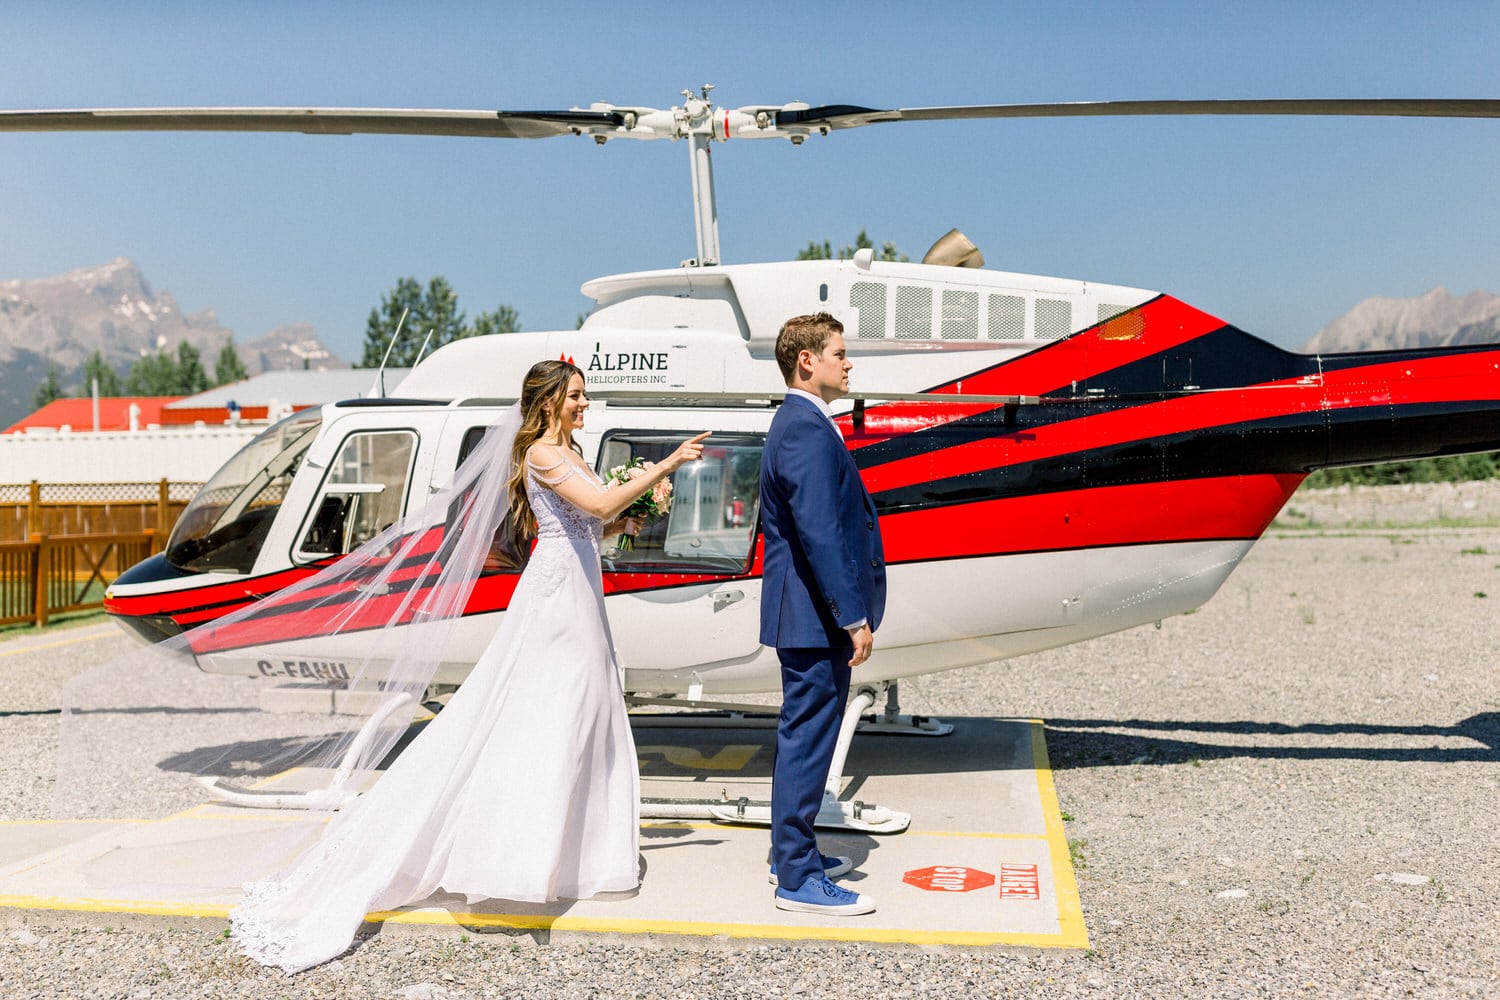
[149, 907]
[797, 932]
[61, 642]
[595, 925]
[1070, 926]
[63, 822]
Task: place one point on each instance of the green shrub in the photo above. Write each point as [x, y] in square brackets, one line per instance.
[1448, 469]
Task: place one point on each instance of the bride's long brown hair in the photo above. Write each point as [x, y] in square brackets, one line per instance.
[542, 396]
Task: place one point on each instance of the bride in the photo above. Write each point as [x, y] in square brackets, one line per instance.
[525, 787]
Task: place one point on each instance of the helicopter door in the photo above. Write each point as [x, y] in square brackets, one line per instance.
[678, 592]
[363, 492]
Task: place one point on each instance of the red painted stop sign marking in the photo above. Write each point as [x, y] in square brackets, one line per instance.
[948, 878]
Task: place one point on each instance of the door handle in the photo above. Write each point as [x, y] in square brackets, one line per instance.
[724, 598]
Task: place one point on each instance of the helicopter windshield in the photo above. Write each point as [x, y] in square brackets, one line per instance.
[223, 527]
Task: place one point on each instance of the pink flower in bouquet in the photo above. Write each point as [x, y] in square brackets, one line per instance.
[661, 496]
[654, 504]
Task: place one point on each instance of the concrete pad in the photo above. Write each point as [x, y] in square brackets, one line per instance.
[985, 861]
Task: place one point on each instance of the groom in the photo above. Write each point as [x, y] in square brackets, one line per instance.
[821, 601]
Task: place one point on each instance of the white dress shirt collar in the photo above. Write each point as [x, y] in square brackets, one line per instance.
[817, 401]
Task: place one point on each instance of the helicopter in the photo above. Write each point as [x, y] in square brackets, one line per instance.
[1051, 459]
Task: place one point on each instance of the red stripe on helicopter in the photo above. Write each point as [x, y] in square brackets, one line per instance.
[1433, 378]
[299, 619]
[1110, 516]
[1155, 326]
[1437, 378]
[1098, 430]
[302, 618]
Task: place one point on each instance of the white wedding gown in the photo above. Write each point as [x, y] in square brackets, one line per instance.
[525, 787]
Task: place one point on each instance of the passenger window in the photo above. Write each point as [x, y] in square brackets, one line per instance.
[471, 440]
[362, 494]
[504, 556]
[715, 503]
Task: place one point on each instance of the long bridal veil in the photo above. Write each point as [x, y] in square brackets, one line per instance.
[135, 732]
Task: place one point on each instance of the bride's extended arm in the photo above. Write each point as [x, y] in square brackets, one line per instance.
[608, 504]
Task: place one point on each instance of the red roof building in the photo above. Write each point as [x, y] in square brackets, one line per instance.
[78, 414]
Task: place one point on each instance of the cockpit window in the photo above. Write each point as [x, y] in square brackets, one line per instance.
[363, 492]
[715, 502]
[225, 525]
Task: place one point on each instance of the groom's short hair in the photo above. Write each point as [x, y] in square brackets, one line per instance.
[803, 333]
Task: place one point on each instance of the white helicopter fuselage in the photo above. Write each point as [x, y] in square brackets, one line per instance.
[1052, 460]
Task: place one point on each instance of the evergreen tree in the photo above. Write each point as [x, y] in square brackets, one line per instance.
[824, 250]
[50, 387]
[152, 375]
[227, 366]
[191, 378]
[96, 369]
[433, 310]
[502, 319]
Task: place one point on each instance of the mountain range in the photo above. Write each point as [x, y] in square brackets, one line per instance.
[112, 309]
[1436, 319]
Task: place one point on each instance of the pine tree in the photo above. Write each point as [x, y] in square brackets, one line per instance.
[50, 387]
[152, 375]
[162, 374]
[95, 369]
[191, 378]
[824, 250]
[227, 366]
[502, 319]
[431, 310]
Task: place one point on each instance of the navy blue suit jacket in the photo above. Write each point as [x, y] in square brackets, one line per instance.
[824, 566]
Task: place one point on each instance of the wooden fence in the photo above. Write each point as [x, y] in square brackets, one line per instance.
[52, 574]
[63, 544]
[34, 508]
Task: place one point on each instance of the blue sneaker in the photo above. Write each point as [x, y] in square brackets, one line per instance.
[834, 865]
[819, 895]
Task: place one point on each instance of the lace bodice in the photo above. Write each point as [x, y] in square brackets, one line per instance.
[555, 517]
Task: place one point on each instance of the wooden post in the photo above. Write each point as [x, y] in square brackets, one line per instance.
[163, 508]
[34, 510]
[39, 578]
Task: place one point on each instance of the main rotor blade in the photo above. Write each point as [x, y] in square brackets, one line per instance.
[324, 121]
[542, 124]
[850, 116]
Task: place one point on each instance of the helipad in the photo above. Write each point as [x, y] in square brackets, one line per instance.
[984, 862]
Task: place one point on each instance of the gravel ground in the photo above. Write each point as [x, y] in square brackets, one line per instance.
[1294, 791]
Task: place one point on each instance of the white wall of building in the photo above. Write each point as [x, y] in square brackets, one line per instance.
[187, 454]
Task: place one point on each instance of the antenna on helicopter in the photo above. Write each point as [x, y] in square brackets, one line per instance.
[377, 389]
[425, 341]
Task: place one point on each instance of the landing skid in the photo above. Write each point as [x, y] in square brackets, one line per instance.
[834, 814]
[731, 715]
[336, 794]
[892, 723]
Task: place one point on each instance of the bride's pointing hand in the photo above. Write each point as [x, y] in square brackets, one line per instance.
[689, 451]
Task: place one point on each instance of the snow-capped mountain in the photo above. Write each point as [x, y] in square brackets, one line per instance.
[113, 309]
[1436, 319]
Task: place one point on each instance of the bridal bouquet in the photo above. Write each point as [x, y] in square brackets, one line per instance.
[653, 505]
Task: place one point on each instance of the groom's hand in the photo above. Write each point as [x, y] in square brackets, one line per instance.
[864, 644]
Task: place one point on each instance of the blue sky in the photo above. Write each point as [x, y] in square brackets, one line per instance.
[1276, 225]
